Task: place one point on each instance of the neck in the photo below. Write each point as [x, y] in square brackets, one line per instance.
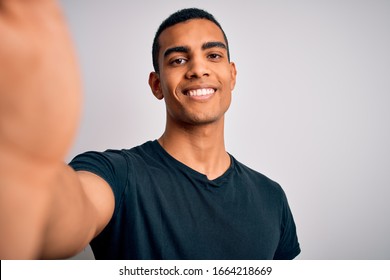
[201, 147]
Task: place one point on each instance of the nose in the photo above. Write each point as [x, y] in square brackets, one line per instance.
[197, 68]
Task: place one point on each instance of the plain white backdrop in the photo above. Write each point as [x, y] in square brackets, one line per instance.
[310, 109]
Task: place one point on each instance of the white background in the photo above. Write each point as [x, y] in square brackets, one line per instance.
[310, 109]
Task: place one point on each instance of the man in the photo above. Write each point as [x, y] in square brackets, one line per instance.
[181, 196]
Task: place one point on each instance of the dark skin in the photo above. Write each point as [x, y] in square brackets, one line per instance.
[47, 210]
[193, 57]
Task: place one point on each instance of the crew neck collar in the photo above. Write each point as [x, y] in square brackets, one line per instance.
[158, 148]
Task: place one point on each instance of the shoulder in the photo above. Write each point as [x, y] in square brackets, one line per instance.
[257, 179]
[113, 165]
[111, 156]
[119, 168]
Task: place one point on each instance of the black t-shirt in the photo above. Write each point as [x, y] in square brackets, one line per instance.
[166, 210]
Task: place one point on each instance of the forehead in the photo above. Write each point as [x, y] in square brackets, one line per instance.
[191, 33]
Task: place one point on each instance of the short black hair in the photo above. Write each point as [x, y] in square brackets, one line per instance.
[178, 17]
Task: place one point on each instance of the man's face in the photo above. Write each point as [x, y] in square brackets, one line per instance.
[196, 78]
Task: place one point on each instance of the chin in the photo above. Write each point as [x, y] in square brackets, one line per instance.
[204, 120]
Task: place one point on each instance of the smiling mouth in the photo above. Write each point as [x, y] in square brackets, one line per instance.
[200, 92]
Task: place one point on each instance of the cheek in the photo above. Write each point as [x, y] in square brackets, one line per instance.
[169, 84]
[169, 89]
[229, 84]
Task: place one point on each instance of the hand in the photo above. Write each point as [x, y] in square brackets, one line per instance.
[39, 111]
[39, 81]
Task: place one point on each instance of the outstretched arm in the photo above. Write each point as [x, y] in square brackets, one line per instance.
[46, 209]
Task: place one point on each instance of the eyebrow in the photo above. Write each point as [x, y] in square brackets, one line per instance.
[210, 45]
[184, 49]
[180, 49]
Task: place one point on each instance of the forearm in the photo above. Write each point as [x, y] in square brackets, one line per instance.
[23, 215]
[42, 205]
[73, 219]
[44, 212]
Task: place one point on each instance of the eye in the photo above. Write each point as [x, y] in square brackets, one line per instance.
[178, 61]
[214, 56]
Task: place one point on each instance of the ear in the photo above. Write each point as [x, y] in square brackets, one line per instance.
[233, 73]
[155, 85]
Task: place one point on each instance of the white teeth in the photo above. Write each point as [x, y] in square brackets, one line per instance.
[201, 91]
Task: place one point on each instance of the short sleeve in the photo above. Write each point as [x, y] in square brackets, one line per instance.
[110, 165]
[288, 247]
